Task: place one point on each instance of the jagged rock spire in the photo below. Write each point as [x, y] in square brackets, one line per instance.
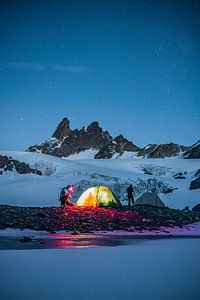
[62, 130]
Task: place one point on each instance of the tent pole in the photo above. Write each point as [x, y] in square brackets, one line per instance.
[97, 197]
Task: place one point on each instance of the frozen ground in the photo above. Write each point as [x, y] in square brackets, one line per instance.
[13, 239]
[187, 230]
[34, 190]
[146, 270]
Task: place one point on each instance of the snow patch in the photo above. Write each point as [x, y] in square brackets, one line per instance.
[87, 154]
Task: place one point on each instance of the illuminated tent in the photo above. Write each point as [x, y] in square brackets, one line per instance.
[98, 196]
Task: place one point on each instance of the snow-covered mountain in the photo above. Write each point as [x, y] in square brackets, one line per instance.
[65, 141]
[92, 139]
[160, 175]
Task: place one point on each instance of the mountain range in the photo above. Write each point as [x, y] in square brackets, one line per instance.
[66, 142]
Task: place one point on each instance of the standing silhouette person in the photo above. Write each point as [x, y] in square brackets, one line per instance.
[130, 193]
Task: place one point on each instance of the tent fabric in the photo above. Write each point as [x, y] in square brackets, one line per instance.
[151, 199]
[98, 196]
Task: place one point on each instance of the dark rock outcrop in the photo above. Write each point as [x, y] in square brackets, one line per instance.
[63, 129]
[117, 146]
[162, 150]
[193, 152]
[147, 149]
[195, 184]
[179, 175]
[197, 173]
[9, 164]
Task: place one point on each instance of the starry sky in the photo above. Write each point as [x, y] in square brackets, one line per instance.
[134, 66]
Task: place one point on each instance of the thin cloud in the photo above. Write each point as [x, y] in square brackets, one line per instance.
[72, 69]
[37, 67]
[23, 66]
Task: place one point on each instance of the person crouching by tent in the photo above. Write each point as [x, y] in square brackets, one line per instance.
[130, 193]
[66, 195]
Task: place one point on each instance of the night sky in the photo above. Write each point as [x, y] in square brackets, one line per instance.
[134, 66]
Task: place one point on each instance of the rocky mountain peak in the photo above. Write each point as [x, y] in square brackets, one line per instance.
[66, 142]
[193, 151]
[62, 130]
[162, 150]
[117, 146]
[94, 126]
[120, 139]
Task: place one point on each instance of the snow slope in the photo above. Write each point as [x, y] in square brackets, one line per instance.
[34, 190]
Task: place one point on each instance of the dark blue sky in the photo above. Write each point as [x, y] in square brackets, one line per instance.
[132, 65]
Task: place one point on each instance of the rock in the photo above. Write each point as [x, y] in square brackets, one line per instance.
[146, 171]
[41, 215]
[193, 151]
[63, 130]
[25, 239]
[196, 208]
[117, 146]
[6, 163]
[147, 149]
[105, 152]
[197, 173]
[179, 175]
[162, 150]
[74, 232]
[9, 164]
[86, 219]
[195, 184]
[169, 190]
[122, 144]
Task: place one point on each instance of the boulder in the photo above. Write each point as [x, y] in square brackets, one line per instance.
[179, 175]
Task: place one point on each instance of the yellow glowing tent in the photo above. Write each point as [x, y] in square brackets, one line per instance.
[98, 196]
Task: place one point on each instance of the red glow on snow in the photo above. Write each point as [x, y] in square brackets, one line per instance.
[99, 214]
